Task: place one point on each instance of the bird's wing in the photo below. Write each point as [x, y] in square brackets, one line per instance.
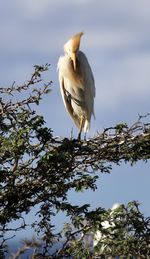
[88, 81]
[66, 95]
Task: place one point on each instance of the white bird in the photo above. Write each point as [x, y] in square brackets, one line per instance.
[77, 84]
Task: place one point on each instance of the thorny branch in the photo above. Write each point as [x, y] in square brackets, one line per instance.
[35, 79]
[34, 96]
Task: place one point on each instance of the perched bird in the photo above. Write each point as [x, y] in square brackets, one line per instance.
[77, 84]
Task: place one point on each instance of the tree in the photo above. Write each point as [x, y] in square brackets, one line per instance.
[38, 169]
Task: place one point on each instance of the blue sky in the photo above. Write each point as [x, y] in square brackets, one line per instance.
[117, 44]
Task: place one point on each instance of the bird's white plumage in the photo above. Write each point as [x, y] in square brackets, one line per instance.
[77, 85]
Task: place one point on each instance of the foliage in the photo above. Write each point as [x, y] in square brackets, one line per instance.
[38, 169]
[121, 231]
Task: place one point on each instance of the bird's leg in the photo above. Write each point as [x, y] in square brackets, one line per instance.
[81, 126]
[79, 135]
[85, 136]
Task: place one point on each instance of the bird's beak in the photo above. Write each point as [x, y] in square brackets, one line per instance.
[73, 58]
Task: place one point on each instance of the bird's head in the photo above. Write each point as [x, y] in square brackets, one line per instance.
[72, 47]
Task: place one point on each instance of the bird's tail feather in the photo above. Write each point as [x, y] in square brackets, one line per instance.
[86, 127]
